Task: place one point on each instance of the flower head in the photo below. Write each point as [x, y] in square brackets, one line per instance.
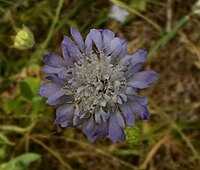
[119, 14]
[96, 84]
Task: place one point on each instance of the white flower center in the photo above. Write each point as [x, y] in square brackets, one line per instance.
[99, 83]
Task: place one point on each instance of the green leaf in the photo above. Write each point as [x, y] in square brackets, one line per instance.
[21, 162]
[12, 106]
[33, 84]
[26, 90]
[38, 105]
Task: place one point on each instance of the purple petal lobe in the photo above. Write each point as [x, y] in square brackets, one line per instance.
[78, 38]
[138, 56]
[48, 89]
[143, 79]
[76, 120]
[124, 60]
[133, 69]
[120, 119]
[89, 128]
[61, 100]
[115, 131]
[53, 60]
[66, 110]
[56, 95]
[51, 70]
[107, 37]
[64, 76]
[66, 55]
[102, 130]
[140, 110]
[64, 124]
[126, 109]
[141, 99]
[96, 37]
[63, 113]
[115, 46]
[104, 115]
[72, 48]
[56, 79]
[129, 90]
[123, 50]
[88, 43]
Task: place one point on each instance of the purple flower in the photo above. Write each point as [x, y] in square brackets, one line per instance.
[119, 14]
[95, 84]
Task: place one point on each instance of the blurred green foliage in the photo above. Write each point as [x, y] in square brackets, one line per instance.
[21, 162]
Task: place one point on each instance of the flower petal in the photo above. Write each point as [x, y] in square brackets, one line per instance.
[65, 109]
[104, 115]
[66, 56]
[89, 129]
[133, 69]
[129, 90]
[64, 124]
[64, 76]
[48, 89]
[128, 113]
[138, 56]
[141, 99]
[72, 48]
[140, 110]
[61, 100]
[56, 79]
[102, 130]
[123, 50]
[56, 95]
[63, 113]
[53, 60]
[96, 37]
[120, 119]
[115, 131]
[77, 121]
[78, 38]
[115, 47]
[143, 79]
[107, 37]
[51, 70]
[124, 60]
[88, 43]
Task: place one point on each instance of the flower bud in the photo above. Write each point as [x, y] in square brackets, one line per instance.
[132, 135]
[24, 38]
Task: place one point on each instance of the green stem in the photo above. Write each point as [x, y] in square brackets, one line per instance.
[38, 53]
[51, 30]
[167, 37]
[53, 153]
